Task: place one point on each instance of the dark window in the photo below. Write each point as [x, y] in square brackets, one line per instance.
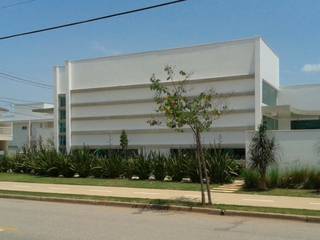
[24, 127]
[62, 100]
[62, 140]
[305, 124]
[269, 94]
[62, 114]
[271, 124]
[235, 153]
[62, 127]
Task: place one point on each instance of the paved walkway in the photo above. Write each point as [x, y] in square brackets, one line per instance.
[229, 188]
[219, 198]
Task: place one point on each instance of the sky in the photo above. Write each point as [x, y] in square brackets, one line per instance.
[290, 28]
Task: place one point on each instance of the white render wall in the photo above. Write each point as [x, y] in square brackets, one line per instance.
[92, 123]
[207, 61]
[296, 148]
[39, 130]
[107, 95]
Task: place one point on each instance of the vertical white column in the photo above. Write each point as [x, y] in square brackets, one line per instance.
[29, 133]
[68, 105]
[258, 84]
[56, 108]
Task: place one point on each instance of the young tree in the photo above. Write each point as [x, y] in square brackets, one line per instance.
[124, 143]
[262, 153]
[182, 109]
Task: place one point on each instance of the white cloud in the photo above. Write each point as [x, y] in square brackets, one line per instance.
[308, 68]
[101, 48]
[97, 46]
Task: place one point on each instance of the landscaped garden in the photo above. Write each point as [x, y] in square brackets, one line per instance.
[178, 170]
[265, 176]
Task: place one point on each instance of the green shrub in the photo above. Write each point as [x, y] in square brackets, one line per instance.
[47, 162]
[295, 178]
[313, 181]
[82, 161]
[158, 163]
[108, 167]
[273, 177]
[262, 153]
[6, 162]
[251, 178]
[139, 166]
[181, 165]
[64, 165]
[222, 168]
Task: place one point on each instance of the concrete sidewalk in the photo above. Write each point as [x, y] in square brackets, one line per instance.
[219, 198]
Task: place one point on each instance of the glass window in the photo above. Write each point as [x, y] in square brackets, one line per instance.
[269, 94]
[62, 140]
[62, 114]
[305, 124]
[271, 124]
[62, 100]
[62, 127]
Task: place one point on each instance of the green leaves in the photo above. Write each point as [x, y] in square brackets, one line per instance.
[180, 108]
[262, 152]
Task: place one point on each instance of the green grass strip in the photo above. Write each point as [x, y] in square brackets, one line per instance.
[301, 212]
[13, 177]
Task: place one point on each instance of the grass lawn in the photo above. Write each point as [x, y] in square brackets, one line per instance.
[285, 192]
[12, 177]
[302, 212]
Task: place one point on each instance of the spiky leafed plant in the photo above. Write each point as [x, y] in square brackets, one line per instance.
[262, 153]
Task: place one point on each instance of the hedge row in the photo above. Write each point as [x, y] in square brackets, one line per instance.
[83, 162]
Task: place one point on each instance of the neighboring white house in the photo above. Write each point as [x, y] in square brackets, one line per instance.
[5, 132]
[97, 98]
[30, 123]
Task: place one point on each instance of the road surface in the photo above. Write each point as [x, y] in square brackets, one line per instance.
[32, 220]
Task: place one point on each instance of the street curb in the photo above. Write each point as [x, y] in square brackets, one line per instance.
[301, 218]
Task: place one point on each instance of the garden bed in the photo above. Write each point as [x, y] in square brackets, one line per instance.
[16, 177]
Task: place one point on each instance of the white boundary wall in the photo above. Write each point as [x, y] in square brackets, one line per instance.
[296, 148]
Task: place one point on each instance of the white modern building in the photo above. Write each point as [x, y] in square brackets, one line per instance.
[97, 98]
[30, 123]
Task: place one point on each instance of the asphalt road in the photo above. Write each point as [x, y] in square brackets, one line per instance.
[31, 220]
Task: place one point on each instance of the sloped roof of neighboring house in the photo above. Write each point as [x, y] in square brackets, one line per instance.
[25, 112]
[3, 109]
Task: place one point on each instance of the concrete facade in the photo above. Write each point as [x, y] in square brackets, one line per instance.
[97, 98]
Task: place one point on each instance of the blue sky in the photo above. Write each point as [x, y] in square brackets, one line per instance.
[290, 27]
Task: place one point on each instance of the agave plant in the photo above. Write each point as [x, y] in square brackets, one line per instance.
[82, 161]
[221, 166]
[158, 163]
[108, 167]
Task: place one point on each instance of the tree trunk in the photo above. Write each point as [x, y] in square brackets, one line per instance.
[205, 169]
[198, 156]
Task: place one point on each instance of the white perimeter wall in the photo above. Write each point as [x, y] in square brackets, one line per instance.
[295, 147]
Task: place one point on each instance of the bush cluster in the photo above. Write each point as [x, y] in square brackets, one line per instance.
[46, 161]
[296, 178]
